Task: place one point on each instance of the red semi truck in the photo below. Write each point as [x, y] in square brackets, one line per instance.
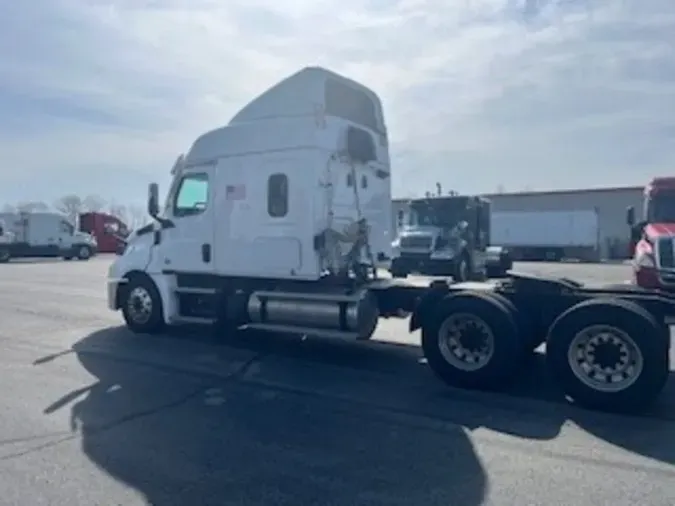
[108, 230]
[653, 236]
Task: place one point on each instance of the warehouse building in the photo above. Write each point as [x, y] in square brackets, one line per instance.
[609, 203]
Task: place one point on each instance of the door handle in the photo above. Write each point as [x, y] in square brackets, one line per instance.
[206, 253]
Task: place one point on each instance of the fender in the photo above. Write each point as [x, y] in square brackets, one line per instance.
[426, 304]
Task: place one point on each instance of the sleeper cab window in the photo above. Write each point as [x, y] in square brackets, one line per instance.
[192, 195]
[277, 195]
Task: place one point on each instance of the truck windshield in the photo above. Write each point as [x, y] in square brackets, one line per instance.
[661, 208]
[423, 216]
[439, 212]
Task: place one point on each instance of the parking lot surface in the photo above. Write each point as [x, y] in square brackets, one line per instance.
[94, 415]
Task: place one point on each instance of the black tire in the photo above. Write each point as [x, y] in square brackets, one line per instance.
[479, 275]
[461, 271]
[492, 272]
[647, 339]
[5, 255]
[396, 271]
[507, 347]
[131, 295]
[84, 253]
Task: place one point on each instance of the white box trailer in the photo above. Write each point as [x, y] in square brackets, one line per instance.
[548, 235]
[45, 234]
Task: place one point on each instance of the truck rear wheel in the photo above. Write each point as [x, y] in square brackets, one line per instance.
[609, 354]
[142, 305]
[473, 341]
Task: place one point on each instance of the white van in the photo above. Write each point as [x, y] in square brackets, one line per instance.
[45, 234]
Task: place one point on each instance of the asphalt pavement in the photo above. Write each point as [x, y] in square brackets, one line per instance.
[94, 415]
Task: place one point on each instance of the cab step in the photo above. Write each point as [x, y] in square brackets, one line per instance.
[193, 320]
[197, 304]
[297, 329]
[193, 290]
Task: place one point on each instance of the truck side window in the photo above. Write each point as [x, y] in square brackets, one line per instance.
[277, 195]
[67, 228]
[192, 195]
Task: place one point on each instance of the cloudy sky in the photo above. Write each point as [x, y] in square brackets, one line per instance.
[100, 96]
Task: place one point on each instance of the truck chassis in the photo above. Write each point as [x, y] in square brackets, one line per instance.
[24, 250]
[607, 347]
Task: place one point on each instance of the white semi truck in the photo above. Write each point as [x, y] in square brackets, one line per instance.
[43, 235]
[276, 221]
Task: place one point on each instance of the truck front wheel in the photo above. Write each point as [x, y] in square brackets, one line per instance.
[396, 270]
[473, 341]
[462, 270]
[84, 253]
[5, 255]
[141, 305]
[609, 355]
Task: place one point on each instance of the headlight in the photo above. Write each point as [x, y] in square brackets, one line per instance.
[396, 243]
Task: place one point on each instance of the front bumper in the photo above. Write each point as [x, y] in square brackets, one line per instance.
[422, 263]
[112, 288]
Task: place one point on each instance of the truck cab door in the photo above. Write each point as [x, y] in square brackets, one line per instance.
[188, 245]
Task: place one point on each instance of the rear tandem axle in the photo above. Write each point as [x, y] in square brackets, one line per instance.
[607, 347]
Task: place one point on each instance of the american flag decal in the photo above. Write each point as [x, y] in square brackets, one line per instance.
[235, 192]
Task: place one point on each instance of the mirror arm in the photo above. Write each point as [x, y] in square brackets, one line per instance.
[165, 222]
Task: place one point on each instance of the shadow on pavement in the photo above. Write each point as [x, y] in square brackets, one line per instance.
[278, 420]
[199, 438]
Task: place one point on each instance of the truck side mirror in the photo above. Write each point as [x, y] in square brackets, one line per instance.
[630, 216]
[153, 199]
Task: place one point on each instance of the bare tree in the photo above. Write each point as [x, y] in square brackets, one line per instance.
[93, 203]
[70, 205]
[31, 207]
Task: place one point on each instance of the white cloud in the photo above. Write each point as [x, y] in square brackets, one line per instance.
[97, 95]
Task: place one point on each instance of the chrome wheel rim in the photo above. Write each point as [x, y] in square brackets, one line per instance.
[605, 358]
[466, 341]
[139, 305]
